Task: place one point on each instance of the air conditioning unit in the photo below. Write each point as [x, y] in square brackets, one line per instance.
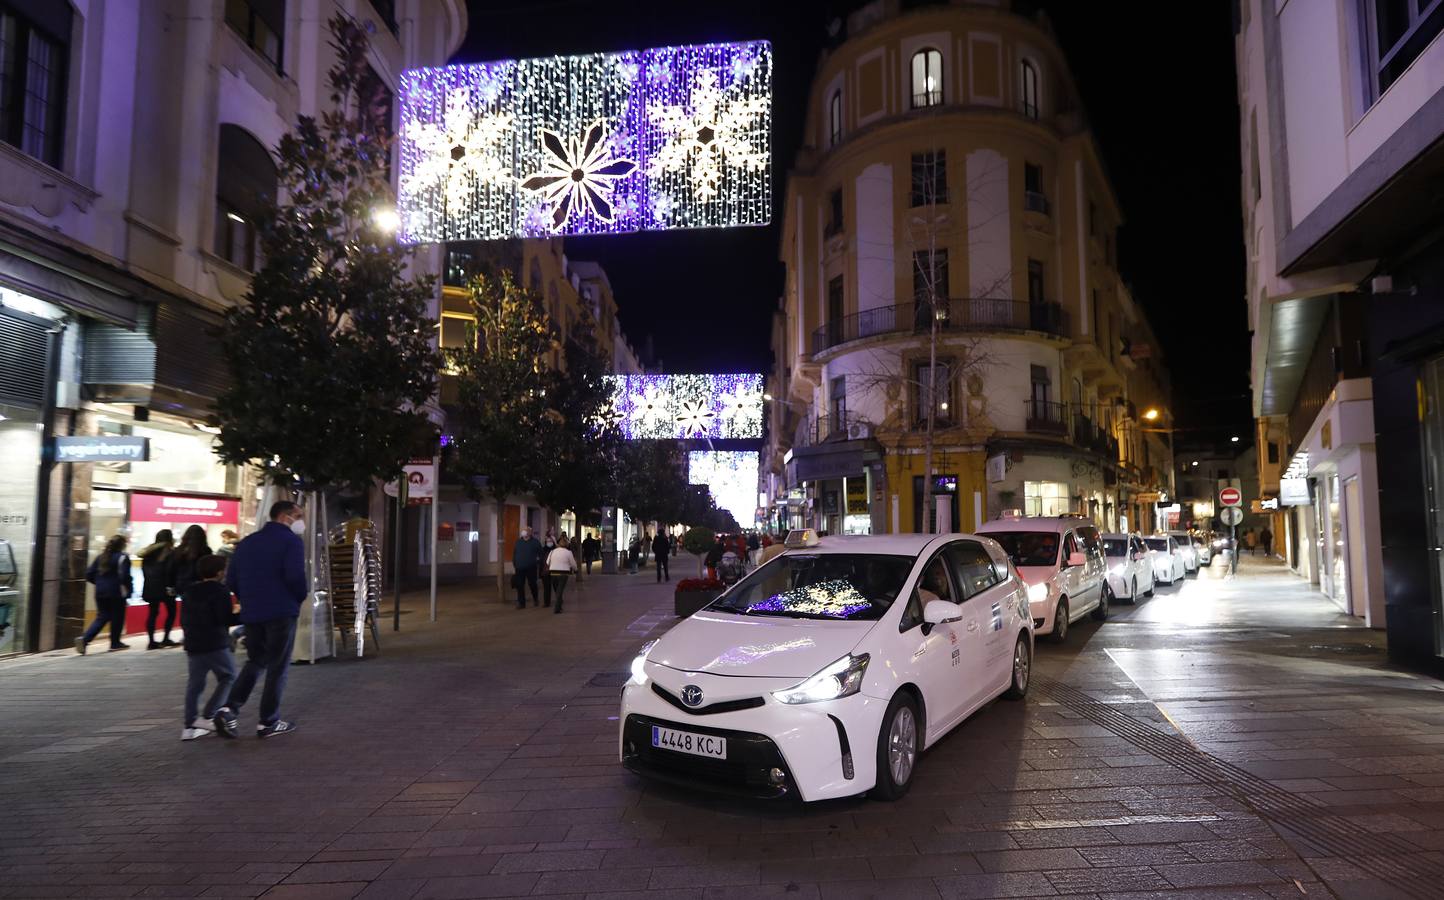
[859, 431]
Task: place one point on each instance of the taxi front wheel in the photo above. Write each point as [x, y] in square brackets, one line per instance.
[898, 743]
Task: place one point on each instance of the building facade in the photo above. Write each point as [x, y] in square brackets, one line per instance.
[130, 185]
[947, 179]
[1342, 105]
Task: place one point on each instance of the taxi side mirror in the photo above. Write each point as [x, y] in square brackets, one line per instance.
[1076, 558]
[940, 612]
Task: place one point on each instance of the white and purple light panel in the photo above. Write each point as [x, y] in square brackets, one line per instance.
[643, 140]
[678, 407]
[731, 476]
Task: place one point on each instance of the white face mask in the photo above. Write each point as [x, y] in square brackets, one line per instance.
[298, 527]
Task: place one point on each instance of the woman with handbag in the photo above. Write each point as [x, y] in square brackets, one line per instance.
[110, 573]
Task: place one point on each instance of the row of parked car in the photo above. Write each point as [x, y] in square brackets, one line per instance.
[826, 671]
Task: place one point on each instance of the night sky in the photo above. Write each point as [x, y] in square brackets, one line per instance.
[1164, 112]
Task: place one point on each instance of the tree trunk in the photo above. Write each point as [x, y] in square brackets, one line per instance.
[500, 554]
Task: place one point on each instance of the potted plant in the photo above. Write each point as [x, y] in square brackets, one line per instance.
[694, 593]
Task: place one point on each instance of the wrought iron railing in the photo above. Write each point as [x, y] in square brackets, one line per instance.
[1046, 417]
[815, 430]
[976, 314]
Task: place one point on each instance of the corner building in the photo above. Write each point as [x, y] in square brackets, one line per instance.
[947, 170]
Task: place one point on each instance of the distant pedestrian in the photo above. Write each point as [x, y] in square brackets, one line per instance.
[770, 549]
[192, 547]
[634, 553]
[1266, 538]
[549, 543]
[110, 573]
[560, 565]
[714, 557]
[673, 542]
[662, 549]
[268, 574]
[526, 557]
[157, 589]
[206, 616]
[1250, 540]
[591, 551]
[229, 540]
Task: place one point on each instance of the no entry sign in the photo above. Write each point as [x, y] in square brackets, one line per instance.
[1230, 496]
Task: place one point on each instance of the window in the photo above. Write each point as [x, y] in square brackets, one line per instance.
[935, 584]
[837, 396]
[1042, 385]
[260, 23]
[1045, 498]
[930, 278]
[454, 328]
[245, 189]
[1395, 33]
[1273, 452]
[386, 10]
[1034, 199]
[930, 178]
[1030, 90]
[934, 390]
[1035, 283]
[834, 300]
[927, 78]
[834, 119]
[834, 214]
[33, 61]
[973, 568]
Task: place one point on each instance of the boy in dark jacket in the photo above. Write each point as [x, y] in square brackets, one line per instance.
[206, 617]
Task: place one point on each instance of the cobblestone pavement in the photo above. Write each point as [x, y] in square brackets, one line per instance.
[1225, 739]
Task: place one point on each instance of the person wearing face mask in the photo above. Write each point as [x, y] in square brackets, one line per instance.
[267, 573]
[526, 559]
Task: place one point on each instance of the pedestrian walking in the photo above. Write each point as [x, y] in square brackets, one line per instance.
[192, 547]
[662, 549]
[714, 557]
[549, 543]
[526, 556]
[591, 551]
[110, 573]
[268, 574]
[1250, 540]
[207, 612]
[634, 553]
[157, 570]
[560, 565]
[770, 548]
[1266, 538]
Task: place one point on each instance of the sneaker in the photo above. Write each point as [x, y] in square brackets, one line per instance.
[190, 734]
[280, 726]
[80, 645]
[225, 722]
[204, 724]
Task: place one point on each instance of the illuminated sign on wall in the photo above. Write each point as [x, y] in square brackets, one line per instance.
[642, 140]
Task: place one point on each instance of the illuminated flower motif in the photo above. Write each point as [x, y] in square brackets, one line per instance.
[742, 409]
[718, 131]
[466, 151]
[649, 410]
[580, 175]
[696, 417]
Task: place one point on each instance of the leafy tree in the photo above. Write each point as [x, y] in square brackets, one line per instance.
[651, 483]
[583, 443]
[331, 355]
[503, 416]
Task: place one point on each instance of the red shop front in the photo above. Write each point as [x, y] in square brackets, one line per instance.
[148, 513]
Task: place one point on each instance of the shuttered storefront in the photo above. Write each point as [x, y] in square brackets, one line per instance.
[24, 360]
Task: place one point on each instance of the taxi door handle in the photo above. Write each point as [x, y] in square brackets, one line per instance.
[972, 626]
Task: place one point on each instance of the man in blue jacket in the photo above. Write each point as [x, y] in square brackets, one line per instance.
[267, 573]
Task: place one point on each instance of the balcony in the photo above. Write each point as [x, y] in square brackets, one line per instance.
[1034, 201]
[825, 429]
[956, 315]
[1046, 417]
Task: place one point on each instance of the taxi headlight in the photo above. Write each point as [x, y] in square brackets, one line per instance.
[1037, 593]
[1117, 570]
[838, 679]
[639, 672]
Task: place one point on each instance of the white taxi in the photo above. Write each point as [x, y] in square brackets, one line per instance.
[1130, 566]
[1061, 559]
[827, 671]
[1169, 562]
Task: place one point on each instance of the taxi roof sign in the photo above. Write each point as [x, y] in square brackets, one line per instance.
[801, 537]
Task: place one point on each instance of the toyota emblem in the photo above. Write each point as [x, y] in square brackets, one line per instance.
[692, 695]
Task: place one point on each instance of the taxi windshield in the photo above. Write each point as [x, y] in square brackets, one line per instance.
[1115, 547]
[855, 586]
[1028, 548]
[1157, 543]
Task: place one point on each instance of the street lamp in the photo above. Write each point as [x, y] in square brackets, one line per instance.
[386, 219]
[1152, 414]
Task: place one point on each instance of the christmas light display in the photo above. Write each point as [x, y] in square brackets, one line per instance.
[672, 137]
[731, 476]
[828, 599]
[662, 407]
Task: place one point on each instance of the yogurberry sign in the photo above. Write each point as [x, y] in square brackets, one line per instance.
[180, 508]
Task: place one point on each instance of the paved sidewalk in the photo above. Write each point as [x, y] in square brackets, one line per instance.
[1228, 738]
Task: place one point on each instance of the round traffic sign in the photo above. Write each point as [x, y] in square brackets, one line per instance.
[1232, 516]
[1230, 496]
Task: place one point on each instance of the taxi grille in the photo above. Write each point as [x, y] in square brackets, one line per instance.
[746, 772]
[710, 709]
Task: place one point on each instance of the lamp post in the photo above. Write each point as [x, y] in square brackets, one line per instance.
[1154, 414]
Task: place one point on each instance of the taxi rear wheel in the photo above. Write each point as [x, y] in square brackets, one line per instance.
[898, 744]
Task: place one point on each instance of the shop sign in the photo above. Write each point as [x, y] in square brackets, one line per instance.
[1294, 491]
[997, 468]
[1148, 497]
[102, 448]
[180, 508]
[420, 475]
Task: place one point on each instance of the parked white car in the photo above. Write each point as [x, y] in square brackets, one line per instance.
[1190, 553]
[1130, 566]
[1061, 559]
[826, 671]
[1168, 560]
